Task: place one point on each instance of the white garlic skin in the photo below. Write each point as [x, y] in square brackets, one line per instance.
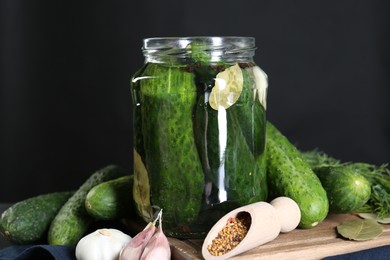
[102, 244]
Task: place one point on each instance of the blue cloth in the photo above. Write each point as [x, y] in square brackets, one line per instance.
[378, 253]
[46, 252]
[41, 252]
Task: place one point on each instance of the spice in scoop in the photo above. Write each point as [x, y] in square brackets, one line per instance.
[231, 235]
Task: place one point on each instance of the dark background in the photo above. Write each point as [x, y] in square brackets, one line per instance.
[65, 68]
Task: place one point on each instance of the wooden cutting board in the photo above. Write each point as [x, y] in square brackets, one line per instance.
[315, 243]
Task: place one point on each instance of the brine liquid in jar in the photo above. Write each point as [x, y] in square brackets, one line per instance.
[199, 131]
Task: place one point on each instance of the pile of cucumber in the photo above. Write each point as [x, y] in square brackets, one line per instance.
[320, 184]
[317, 183]
[62, 218]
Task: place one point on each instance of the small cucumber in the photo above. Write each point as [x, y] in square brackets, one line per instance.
[347, 190]
[72, 221]
[291, 176]
[28, 221]
[111, 199]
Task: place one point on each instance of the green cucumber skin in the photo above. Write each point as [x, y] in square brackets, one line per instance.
[29, 220]
[137, 115]
[246, 174]
[251, 115]
[347, 191]
[244, 159]
[167, 101]
[72, 221]
[206, 135]
[246, 145]
[290, 175]
[111, 200]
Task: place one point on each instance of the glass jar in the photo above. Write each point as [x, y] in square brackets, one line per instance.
[199, 131]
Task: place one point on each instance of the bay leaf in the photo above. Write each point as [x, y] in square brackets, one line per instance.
[141, 189]
[374, 216]
[228, 87]
[360, 229]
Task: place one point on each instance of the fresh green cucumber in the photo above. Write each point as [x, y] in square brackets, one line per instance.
[111, 199]
[346, 183]
[167, 100]
[28, 221]
[291, 176]
[347, 190]
[72, 221]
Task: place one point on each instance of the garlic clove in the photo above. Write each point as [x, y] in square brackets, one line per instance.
[102, 244]
[158, 246]
[135, 248]
[157, 253]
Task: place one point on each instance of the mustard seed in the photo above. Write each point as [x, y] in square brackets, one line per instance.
[231, 234]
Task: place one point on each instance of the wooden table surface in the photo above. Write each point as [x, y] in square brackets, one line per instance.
[315, 243]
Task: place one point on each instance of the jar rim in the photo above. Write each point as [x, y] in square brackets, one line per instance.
[242, 47]
[182, 42]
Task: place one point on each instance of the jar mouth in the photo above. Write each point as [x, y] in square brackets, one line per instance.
[218, 47]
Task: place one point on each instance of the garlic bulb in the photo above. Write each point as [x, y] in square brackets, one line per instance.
[102, 244]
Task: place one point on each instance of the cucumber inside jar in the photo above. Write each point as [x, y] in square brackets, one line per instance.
[230, 142]
[171, 159]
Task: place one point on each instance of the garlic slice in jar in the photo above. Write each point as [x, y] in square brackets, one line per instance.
[261, 83]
